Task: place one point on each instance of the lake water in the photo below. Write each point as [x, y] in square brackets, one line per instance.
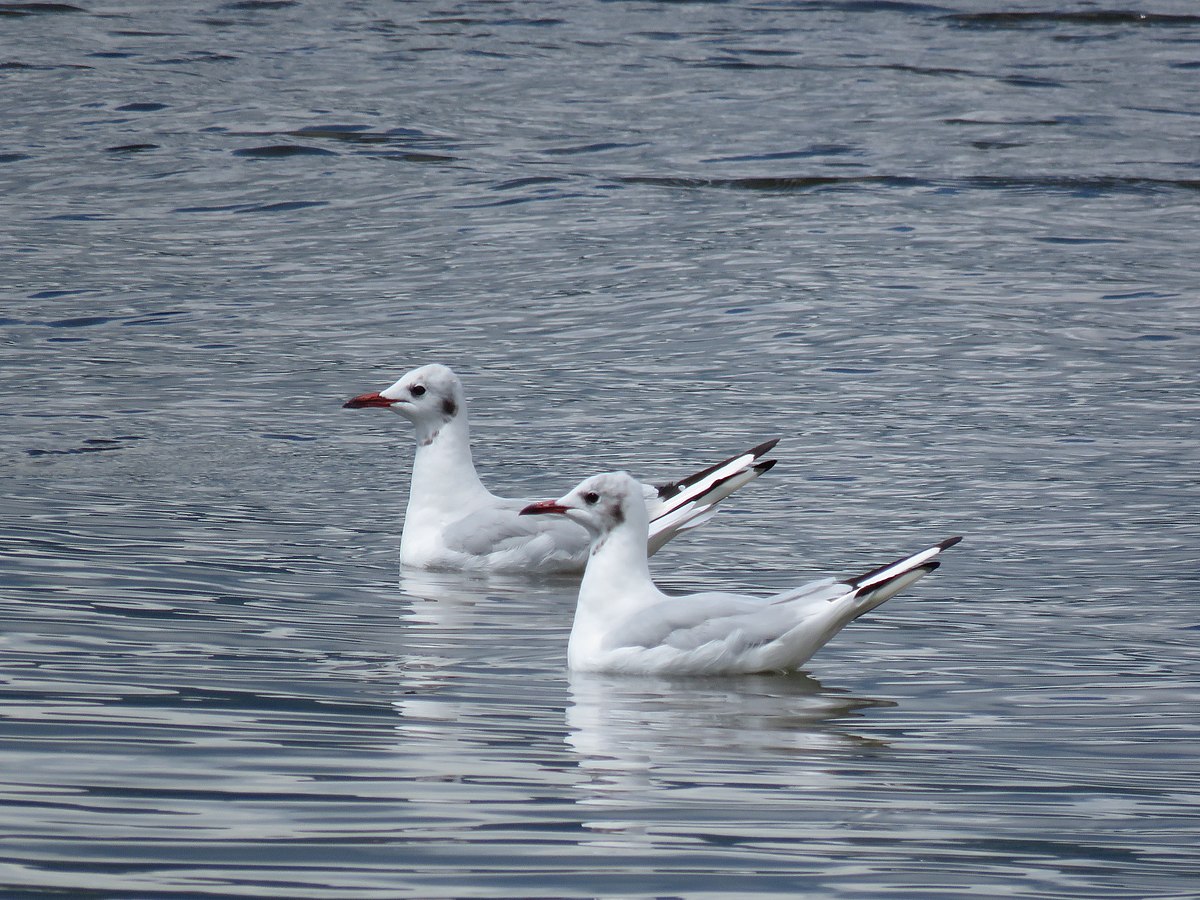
[947, 251]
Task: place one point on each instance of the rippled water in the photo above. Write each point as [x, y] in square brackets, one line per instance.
[947, 251]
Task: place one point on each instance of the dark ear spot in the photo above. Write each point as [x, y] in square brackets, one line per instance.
[618, 514]
[450, 408]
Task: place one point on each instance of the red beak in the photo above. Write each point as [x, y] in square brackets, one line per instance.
[543, 506]
[362, 401]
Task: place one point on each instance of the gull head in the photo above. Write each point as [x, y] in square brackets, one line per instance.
[599, 503]
[430, 395]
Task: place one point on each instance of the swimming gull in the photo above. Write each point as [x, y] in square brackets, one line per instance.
[454, 522]
[625, 624]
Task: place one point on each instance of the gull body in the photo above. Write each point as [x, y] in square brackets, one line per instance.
[454, 522]
[625, 624]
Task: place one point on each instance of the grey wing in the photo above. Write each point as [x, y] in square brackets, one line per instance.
[499, 528]
[822, 590]
[686, 623]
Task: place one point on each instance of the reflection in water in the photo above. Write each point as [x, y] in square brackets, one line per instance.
[456, 617]
[442, 602]
[466, 633]
[442, 612]
[634, 736]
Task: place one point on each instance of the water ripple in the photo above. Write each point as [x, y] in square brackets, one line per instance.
[221, 222]
[1073, 184]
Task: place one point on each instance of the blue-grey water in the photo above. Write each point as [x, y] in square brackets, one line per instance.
[947, 251]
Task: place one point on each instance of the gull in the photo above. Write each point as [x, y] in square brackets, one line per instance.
[625, 624]
[454, 522]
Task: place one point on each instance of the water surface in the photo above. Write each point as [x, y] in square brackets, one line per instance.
[945, 251]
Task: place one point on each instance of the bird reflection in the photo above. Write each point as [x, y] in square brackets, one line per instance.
[465, 634]
[641, 734]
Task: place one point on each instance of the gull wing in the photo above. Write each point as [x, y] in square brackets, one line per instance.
[682, 505]
[499, 529]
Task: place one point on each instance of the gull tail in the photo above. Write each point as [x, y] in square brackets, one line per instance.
[872, 588]
[823, 608]
[691, 501]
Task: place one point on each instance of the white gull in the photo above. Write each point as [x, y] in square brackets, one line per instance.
[454, 522]
[624, 623]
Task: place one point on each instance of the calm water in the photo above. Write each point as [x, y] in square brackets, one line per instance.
[947, 251]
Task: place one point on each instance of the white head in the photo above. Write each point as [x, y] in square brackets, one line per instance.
[429, 397]
[599, 504]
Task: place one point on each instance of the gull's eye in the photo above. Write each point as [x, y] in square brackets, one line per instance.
[591, 498]
[417, 390]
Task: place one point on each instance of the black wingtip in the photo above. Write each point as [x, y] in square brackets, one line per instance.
[765, 466]
[765, 447]
[860, 580]
[666, 491]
